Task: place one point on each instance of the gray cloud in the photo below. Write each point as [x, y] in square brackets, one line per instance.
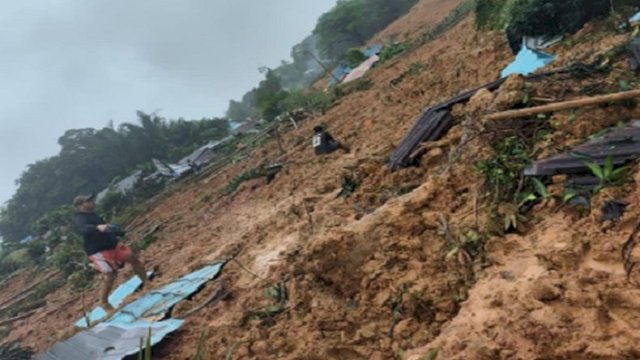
[73, 64]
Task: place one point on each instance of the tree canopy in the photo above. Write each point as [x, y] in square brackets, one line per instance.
[90, 158]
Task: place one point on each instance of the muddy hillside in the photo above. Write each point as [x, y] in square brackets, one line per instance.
[457, 257]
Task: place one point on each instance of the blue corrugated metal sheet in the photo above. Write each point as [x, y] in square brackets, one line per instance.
[120, 335]
[115, 299]
[156, 303]
[109, 341]
[527, 61]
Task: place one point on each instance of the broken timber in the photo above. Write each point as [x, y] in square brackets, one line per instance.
[430, 126]
[433, 123]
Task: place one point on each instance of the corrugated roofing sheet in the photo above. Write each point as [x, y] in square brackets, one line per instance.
[157, 302]
[526, 62]
[120, 335]
[109, 341]
[621, 144]
[115, 299]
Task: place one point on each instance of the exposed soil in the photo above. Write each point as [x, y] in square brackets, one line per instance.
[373, 276]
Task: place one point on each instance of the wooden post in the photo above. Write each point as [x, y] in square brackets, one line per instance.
[572, 104]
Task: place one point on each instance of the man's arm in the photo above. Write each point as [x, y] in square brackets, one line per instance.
[83, 227]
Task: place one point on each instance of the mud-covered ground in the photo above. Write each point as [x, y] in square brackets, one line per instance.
[373, 276]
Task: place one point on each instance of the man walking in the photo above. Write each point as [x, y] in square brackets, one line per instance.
[101, 244]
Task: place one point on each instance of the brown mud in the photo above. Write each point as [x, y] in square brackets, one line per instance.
[373, 276]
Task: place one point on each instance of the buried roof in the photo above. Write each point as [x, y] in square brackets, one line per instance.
[526, 62]
[121, 334]
[621, 144]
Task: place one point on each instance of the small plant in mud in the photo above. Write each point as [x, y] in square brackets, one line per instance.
[277, 295]
[468, 246]
[143, 243]
[144, 351]
[607, 174]
[503, 170]
[349, 186]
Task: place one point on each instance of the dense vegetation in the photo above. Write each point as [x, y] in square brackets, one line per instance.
[542, 17]
[89, 159]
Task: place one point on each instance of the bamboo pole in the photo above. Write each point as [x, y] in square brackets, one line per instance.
[510, 114]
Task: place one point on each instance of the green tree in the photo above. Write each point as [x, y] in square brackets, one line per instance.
[351, 23]
[270, 95]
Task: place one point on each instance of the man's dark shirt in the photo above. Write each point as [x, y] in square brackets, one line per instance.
[324, 143]
[95, 241]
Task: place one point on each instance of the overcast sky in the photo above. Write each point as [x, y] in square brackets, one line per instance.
[81, 63]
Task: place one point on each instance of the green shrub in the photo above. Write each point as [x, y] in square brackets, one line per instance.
[540, 17]
[503, 170]
[15, 260]
[69, 258]
[314, 101]
[354, 57]
[392, 50]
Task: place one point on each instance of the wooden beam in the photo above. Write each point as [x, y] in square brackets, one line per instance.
[565, 105]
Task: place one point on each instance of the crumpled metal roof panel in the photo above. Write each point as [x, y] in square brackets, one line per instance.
[109, 341]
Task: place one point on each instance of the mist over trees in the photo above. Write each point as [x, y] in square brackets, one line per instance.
[351, 23]
[90, 158]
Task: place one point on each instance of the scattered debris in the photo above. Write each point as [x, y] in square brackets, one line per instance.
[540, 42]
[349, 185]
[613, 210]
[527, 61]
[15, 351]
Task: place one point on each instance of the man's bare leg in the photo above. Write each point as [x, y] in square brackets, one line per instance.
[138, 268]
[107, 285]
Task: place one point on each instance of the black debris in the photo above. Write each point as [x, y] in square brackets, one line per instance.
[613, 210]
[621, 144]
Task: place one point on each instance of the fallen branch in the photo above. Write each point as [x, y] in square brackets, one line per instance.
[572, 104]
[16, 318]
[153, 230]
[25, 292]
[219, 294]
